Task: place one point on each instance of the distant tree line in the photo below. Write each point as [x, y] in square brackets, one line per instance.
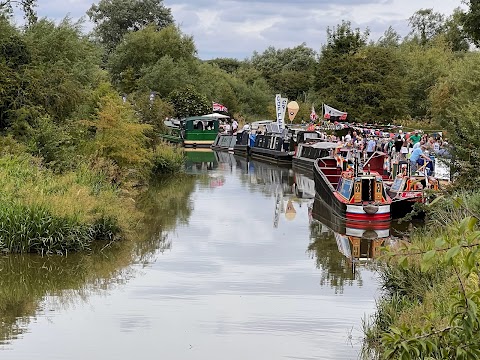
[53, 75]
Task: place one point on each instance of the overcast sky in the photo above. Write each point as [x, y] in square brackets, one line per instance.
[236, 28]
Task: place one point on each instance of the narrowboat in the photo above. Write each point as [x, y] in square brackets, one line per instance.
[278, 146]
[406, 191]
[353, 193]
[224, 142]
[307, 152]
[246, 137]
[193, 132]
[273, 147]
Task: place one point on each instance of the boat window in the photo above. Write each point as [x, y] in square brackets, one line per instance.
[345, 187]
[397, 185]
[313, 135]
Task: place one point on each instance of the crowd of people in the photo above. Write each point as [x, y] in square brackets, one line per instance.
[418, 148]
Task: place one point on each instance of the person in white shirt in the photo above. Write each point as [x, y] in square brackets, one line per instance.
[234, 126]
[371, 144]
[348, 137]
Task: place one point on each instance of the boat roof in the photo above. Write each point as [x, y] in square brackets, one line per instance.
[203, 118]
[324, 145]
[262, 122]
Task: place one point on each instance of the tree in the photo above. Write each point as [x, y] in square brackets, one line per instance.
[455, 33]
[189, 102]
[368, 84]
[152, 112]
[389, 39]
[27, 6]
[118, 135]
[115, 18]
[287, 71]
[471, 21]
[228, 65]
[455, 106]
[342, 40]
[65, 66]
[424, 66]
[147, 51]
[426, 24]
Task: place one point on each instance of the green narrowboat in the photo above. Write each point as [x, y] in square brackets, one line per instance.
[194, 132]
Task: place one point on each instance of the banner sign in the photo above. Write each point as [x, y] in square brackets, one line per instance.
[281, 108]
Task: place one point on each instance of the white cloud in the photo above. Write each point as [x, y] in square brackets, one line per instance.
[235, 28]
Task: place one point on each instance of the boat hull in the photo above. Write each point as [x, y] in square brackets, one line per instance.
[241, 150]
[224, 142]
[272, 156]
[404, 207]
[303, 164]
[361, 212]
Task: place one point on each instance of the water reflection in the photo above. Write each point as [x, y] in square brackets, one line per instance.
[341, 247]
[26, 281]
[237, 280]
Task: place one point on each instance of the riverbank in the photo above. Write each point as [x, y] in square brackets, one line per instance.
[429, 308]
[48, 213]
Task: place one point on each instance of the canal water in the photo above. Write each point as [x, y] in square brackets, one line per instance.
[234, 264]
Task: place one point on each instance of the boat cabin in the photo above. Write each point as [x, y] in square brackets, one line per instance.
[200, 124]
[316, 150]
[365, 188]
[411, 184]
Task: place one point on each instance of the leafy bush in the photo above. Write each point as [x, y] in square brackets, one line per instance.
[167, 159]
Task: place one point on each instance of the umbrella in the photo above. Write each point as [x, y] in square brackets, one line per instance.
[216, 116]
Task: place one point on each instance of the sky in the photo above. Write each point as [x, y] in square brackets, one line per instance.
[237, 28]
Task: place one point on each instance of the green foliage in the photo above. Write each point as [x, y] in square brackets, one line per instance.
[53, 144]
[455, 33]
[443, 320]
[425, 66]
[287, 71]
[230, 66]
[119, 137]
[471, 21]
[390, 38]
[27, 6]
[163, 77]
[455, 106]
[150, 50]
[343, 40]
[35, 229]
[426, 24]
[189, 102]
[114, 19]
[368, 84]
[167, 159]
[47, 213]
[151, 112]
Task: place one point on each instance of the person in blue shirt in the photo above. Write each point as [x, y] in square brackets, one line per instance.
[415, 156]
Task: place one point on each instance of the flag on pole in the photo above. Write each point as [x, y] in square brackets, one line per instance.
[313, 114]
[329, 111]
[219, 107]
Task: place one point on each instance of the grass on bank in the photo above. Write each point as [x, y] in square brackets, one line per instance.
[49, 213]
[422, 313]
